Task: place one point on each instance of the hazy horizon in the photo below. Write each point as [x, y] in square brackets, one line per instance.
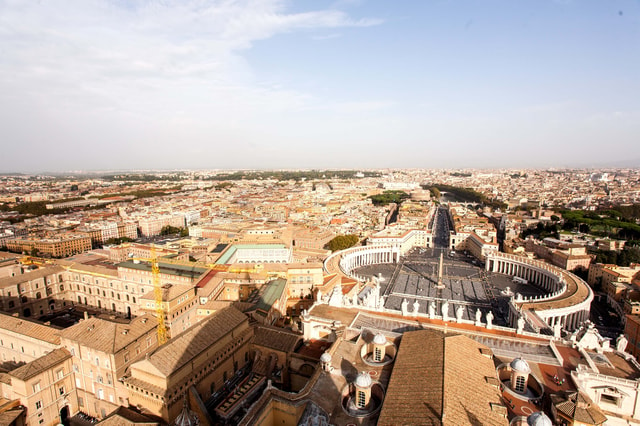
[345, 84]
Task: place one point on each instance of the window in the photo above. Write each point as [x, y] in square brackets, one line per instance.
[60, 374]
[361, 399]
[611, 399]
[36, 387]
[520, 384]
[61, 390]
[38, 405]
[80, 402]
[100, 394]
[377, 355]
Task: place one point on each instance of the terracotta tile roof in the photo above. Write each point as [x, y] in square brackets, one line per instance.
[276, 338]
[124, 416]
[40, 365]
[33, 275]
[181, 349]
[344, 315]
[108, 336]
[10, 416]
[415, 391]
[469, 396]
[440, 379]
[29, 328]
[578, 406]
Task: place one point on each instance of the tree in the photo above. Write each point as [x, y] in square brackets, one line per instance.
[342, 242]
[388, 197]
[168, 230]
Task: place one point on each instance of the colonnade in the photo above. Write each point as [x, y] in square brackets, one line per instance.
[552, 311]
[537, 274]
[355, 257]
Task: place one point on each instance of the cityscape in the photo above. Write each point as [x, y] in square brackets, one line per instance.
[306, 297]
[325, 213]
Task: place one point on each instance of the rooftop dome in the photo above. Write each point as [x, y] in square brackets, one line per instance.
[363, 380]
[520, 365]
[379, 339]
[186, 416]
[539, 419]
[325, 357]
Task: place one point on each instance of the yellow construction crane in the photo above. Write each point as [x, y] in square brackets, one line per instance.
[157, 288]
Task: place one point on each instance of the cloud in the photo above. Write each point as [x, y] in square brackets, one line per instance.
[327, 36]
[362, 106]
[133, 55]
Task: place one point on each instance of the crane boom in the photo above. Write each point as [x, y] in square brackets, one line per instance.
[157, 288]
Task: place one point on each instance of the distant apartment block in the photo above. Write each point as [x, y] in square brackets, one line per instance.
[59, 246]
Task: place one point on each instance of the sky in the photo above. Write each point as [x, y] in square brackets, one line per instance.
[270, 84]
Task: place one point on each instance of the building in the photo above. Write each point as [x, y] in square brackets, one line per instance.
[445, 385]
[59, 246]
[23, 341]
[45, 387]
[103, 351]
[203, 357]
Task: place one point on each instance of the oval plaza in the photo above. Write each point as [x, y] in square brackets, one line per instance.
[499, 289]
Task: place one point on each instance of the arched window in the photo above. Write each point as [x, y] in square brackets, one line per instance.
[377, 354]
[61, 287]
[38, 295]
[24, 299]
